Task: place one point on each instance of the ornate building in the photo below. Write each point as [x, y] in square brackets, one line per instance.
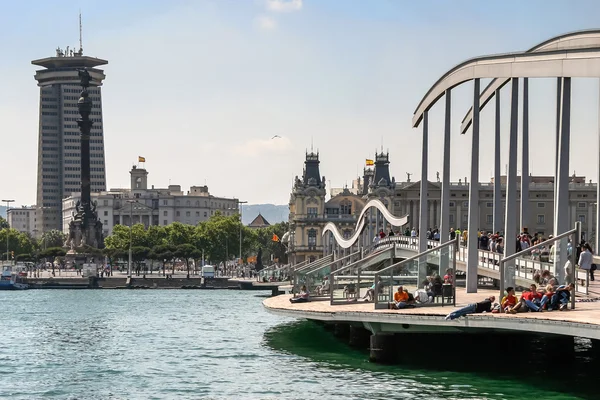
[307, 207]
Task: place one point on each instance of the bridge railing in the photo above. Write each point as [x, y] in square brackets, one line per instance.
[347, 282]
[314, 278]
[508, 269]
[423, 275]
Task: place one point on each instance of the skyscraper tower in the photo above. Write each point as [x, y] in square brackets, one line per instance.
[59, 148]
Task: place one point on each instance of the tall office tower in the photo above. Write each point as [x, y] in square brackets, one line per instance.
[59, 151]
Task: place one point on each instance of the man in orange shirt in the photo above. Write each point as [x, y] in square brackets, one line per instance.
[400, 298]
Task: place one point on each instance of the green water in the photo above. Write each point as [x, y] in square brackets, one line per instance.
[178, 344]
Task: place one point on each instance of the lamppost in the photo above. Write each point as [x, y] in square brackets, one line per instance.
[241, 224]
[7, 230]
[130, 236]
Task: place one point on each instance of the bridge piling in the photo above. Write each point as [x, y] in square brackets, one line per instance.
[359, 337]
[382, 348]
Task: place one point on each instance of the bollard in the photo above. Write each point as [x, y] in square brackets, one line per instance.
[382, 349]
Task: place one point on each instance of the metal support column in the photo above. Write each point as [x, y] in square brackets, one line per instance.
[423, 196]
[557, 146]
[562, 218]
[473, 226]
[598, 189]
[497, 173]
[525, 158]
[510, 228]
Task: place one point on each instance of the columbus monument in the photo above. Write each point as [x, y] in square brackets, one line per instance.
[85, 229]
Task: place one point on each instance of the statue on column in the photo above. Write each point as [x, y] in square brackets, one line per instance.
[408, 174]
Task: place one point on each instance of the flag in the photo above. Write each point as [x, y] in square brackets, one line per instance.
[369, 162]
[141, 159]
[275, 238]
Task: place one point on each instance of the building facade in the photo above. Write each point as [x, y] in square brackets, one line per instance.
[310, 212]
[22, 219]
[59, 151]
[150, 206]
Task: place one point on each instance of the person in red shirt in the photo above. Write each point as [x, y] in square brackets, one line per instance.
[530, 299]
[509, 303]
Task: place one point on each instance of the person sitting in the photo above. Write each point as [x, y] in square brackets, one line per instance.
[370, 295]
[401, 298]
[302, 296]
[509, 303]
[547, 297]
[475, 308]
[531, 299]
[350, 290]
[324, 287]
[561, 297]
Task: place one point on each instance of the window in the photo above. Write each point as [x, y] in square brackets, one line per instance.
[581, 204]
[541, 205]
[105, 222]
[187, 203]
[465, 204]
[312, 212]
[347, 234]
[105, 213]
[489, 204]
[165, 213]
[312, 238]
[187, 213]
[205, 214]
[105, 202]
[346, 207]
[451, 218]
[165, 202]
[465, 219]
[197, 213]
[541, 219]
[581, 218]
[165, 222]
[451, 204]
[489, 219]
[178, 213]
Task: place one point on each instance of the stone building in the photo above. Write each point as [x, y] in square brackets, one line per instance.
[22, 219]
[151, 206]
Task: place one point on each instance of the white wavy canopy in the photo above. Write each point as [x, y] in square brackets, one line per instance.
[361, 223]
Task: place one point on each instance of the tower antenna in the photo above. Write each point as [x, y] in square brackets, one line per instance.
[80, 35]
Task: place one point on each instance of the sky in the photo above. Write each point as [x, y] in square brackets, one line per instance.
[200, 87]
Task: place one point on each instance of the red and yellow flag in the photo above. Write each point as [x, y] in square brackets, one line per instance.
[369, 162]
[141, 159]
[275, 238]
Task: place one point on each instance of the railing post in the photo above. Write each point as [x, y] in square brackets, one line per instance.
[574, 242]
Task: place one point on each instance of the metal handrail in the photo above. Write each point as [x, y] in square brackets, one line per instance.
[575, 231]
[331, 262]
[355, 263]
[320, 261]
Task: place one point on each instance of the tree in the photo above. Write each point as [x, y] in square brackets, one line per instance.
[54, 254]
[186, 252]
[3, 223]
[53, 238]
[163, 253]
[139, 254]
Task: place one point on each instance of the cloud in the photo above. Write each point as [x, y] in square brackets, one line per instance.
[284, 5]
[265, 23]
[263, 147]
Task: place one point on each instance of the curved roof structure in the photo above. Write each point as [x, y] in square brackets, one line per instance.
[580, 39]
[360, 224]
[551, 60]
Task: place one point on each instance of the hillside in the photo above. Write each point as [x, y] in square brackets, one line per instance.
[272, 213]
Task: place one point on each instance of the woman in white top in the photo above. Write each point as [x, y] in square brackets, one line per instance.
[585, 259]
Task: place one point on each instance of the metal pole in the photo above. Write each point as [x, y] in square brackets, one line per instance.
[497, 183]
[473, 225]
[562, 218]
[130, 237]
[241, 224]
[525, 158]
[598, 191]
[445, 195]
[510, 228]
[8, 229]
[557, 148]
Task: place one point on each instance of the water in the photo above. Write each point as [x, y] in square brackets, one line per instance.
[184, 344]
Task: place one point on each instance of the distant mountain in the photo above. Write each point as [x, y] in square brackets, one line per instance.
[272, 213]
[3, 212]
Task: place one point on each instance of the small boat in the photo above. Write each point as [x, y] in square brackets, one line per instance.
[11, 279]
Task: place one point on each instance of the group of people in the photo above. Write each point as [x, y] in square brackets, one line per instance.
[533, 299]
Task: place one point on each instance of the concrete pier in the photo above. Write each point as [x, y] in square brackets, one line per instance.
[382, 348]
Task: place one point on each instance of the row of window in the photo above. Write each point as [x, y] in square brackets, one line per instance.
[50, 113]
[78, 90]
[76, 98]
[79, 134]
[67, 140]
[77, 155]
[50, 127]
[97, 162]
[55, 106]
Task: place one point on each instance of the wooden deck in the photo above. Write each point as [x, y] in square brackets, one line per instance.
[583, 321]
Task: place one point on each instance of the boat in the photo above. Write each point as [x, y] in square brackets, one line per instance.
[11, 279]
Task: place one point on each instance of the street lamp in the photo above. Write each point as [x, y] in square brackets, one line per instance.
[241, 224]
[7, 230]
[130, 236]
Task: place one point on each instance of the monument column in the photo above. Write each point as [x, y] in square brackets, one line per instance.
[590, 221]
[473, 251]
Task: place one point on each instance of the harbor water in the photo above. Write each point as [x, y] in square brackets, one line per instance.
[194, 344]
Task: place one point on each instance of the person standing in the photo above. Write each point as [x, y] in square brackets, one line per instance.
[585, 260]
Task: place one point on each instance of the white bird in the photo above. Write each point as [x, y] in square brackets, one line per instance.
[276, 136]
